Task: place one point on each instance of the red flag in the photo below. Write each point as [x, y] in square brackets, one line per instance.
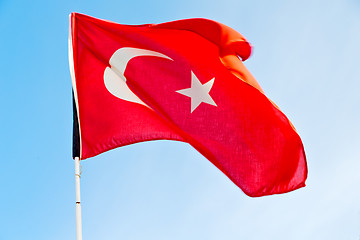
[182, 81]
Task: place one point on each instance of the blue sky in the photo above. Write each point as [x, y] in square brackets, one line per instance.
[306, 58]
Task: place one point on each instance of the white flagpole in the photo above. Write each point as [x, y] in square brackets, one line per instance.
[77, 196]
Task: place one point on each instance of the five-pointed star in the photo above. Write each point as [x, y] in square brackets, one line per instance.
[198, 92]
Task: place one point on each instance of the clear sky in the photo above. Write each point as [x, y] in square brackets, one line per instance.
[306, 57]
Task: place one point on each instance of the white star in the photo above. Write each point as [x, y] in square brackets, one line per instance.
[198, 92]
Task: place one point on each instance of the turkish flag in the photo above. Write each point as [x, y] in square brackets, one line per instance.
[183, 81]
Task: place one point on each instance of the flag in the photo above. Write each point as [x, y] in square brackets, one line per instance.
[184, 81]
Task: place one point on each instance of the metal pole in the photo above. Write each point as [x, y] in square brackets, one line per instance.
[77, 195]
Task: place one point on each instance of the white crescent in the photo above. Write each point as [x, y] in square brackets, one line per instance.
[114, 78]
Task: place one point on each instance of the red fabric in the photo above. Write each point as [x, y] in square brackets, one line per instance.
[245, 135]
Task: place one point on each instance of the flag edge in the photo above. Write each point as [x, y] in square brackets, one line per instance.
[73, 80]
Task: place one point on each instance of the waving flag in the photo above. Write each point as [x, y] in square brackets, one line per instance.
[182, 81]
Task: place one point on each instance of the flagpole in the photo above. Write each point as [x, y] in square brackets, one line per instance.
[77, 196]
